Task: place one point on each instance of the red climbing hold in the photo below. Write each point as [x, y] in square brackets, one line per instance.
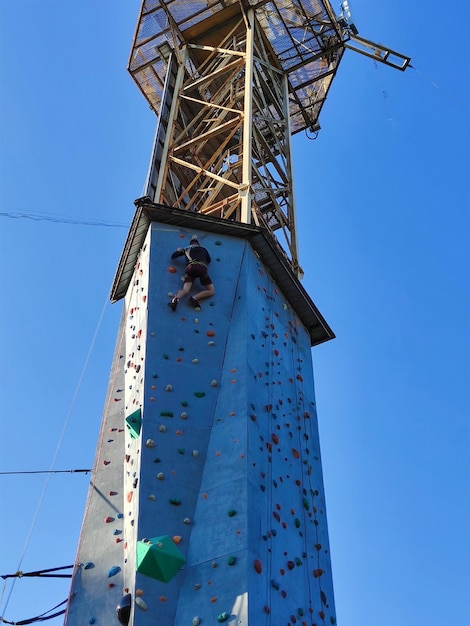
[258, 566]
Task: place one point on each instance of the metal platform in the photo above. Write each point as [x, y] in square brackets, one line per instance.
[305, 37]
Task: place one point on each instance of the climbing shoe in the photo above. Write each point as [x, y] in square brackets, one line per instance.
[173, 304]
[194, 302]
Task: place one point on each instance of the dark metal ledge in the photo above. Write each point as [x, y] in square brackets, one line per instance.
[261, 241]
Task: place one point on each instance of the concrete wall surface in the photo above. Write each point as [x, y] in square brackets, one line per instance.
[222, 487]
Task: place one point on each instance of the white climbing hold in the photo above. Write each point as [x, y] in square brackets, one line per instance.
[141, 604]
[187, 520]
[195, 453]
[161, 476]
[162, 428]
[214, 383]
[184, 415]
[151, 497]
[195, 361]
[168, 388]
[196, 320]
[196, 621]
[150, 443]
[211, 343]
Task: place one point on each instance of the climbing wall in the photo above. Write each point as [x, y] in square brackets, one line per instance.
[222, 514]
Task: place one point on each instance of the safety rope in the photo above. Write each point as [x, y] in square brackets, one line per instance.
[39, 618]
[44, 573]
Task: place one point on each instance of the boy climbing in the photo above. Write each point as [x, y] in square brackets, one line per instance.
[197, 259]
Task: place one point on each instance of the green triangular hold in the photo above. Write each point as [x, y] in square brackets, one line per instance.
[133, 423]
[159, 558]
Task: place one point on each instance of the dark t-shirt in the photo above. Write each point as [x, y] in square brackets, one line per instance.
[193, 253]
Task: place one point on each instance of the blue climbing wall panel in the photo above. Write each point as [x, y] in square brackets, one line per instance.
[226, 462]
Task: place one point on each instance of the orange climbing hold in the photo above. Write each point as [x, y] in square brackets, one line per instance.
[210, 333]
[172, 269]
[258, 566]
[317, 573]
[295, 453]
[177, 539]
[129, 496]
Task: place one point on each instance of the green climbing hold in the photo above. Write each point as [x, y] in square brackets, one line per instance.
[231, 560]
[184, 403]
[231, 513]
[166, 357]
[297, 522]
[181, 349]
[166, 413]
[181, 450]
[306, 504]
[159, 558]
[175, 501]
[223, 617]
[199, 394]
[217, 243]
[134, 423]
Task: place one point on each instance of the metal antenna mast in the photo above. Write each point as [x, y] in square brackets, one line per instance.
[231, 82]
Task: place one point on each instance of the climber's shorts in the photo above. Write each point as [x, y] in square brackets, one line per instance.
[197, 270]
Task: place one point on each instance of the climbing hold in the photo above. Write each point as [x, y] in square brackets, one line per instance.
[211, 343]
[214, 383]
[258, 566]
[217, 243]
[168, 388]
[275, 585]
[231, 513]
[166, 413]
[196, 621]
[177, 539]
[172, 269]
[113, 571]
[223, 617]
[106, 462]
[317, 573]
[123, 609]
[195, 361]
[174, 501]
[159, 558]
[129, 496]
[181, 450]
[89, 565]
[162, 428]
[108, 519]
[290, 565]
[297, 522]
[195, 453]
[210, 333]
[184, 403]
[184, 415]
[150, 443]
[151, 497]
[141, 604]
[199, 394]
[161, 476]
[295, 453]
[231, 560]
[306, 504]
[187, 520]
[166, 357]
[113, 493]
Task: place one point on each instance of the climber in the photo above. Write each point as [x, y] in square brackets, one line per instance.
[197, 259]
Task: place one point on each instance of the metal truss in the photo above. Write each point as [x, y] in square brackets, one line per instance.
[223, 148]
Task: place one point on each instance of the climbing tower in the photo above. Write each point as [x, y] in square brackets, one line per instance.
[206, 502]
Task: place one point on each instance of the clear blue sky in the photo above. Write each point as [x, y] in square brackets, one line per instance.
[384, 223]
